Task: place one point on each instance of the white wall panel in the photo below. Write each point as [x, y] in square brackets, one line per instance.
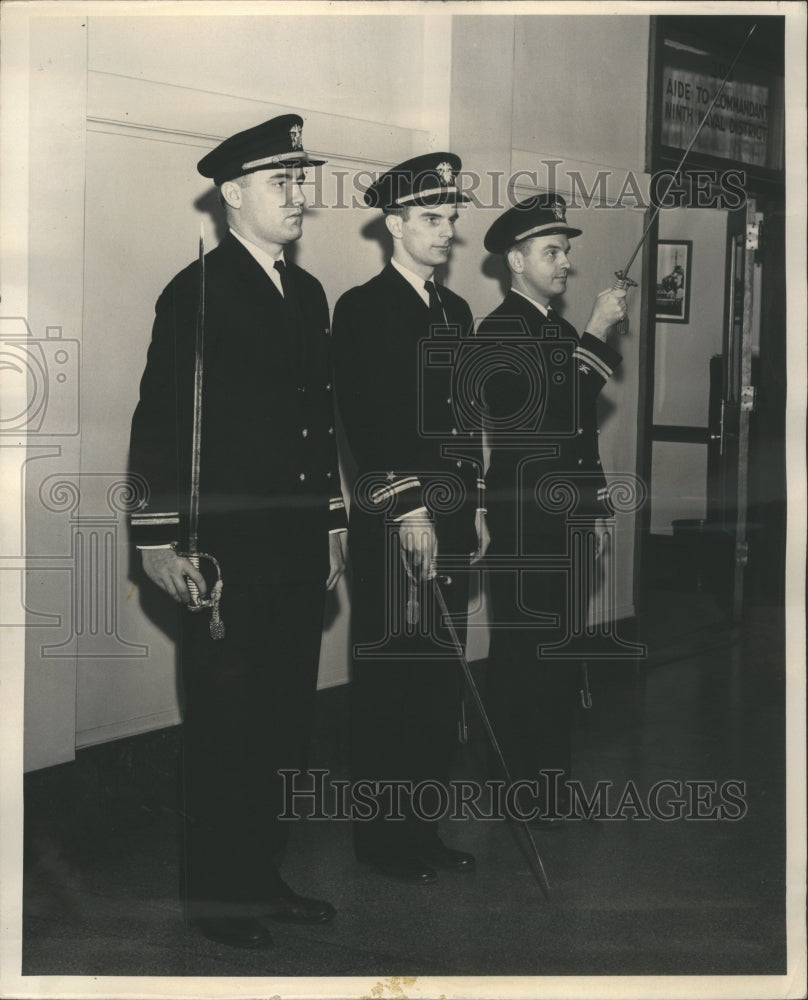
[55, 231]
[683, 350]
[356, 67]
[580, 87]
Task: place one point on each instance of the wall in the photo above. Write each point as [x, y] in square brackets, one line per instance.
[683, 350]
[682, 368]
[512, 83]
[291, 60]
[131, 104]
[54, 285]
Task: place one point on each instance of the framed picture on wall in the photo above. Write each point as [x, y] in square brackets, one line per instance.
[674, 258]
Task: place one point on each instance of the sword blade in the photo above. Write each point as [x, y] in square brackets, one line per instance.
[622, 275]
[196, 442]
[475, 693]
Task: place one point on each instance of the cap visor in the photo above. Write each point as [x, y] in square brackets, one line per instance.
[427, 200]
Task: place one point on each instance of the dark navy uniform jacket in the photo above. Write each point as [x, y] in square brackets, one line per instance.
[541, 394]
[270, 487]
[408, 440]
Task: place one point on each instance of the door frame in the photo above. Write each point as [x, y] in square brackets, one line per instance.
[761, 183]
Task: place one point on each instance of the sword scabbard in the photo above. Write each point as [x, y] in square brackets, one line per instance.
[194, 555]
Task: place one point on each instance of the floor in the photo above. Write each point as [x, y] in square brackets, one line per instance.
[629, 896]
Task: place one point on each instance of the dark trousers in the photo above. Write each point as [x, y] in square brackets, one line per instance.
[405, 692]
[248, 705]
[530, 696]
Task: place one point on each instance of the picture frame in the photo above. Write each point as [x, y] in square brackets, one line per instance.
[674, 264]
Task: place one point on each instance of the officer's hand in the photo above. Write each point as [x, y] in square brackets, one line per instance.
[336, 554]
[169, 571]
[483, 538]
[416, 533]
[609, 308]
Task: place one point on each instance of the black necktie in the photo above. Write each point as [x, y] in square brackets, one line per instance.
[286, 285]
[293, 312]
[436, 313]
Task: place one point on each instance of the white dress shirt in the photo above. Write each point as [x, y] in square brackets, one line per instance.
[414, 279]
[542, 309]
[267, 261]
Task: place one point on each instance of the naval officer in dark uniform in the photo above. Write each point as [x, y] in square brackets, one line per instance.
[413, 514]
[271, 512]
[544, 474]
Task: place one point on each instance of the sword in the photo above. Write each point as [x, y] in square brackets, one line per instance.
[492, 738]
[193, 554]
[622, 280]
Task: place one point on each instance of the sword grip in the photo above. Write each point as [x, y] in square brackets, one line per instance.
[216, 625]
[622, 283]
[196, 601]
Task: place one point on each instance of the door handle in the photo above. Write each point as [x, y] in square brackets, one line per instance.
[720, 435]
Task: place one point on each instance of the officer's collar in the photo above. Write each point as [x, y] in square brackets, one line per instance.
[542, 309]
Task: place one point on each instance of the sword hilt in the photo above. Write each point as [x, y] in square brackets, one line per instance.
[622, 282]
[198, 603]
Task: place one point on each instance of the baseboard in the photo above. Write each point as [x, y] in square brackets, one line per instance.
[127, 727]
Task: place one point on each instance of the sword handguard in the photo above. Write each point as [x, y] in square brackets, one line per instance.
[198, 603]
[623, 281]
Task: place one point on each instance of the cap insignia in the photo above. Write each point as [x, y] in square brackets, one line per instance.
[445, 172]
[296, 134]
[558, 211]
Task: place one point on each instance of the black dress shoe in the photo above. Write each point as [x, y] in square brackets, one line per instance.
[438, 855]
[293, 909]
[402, 867]
[237, 932]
